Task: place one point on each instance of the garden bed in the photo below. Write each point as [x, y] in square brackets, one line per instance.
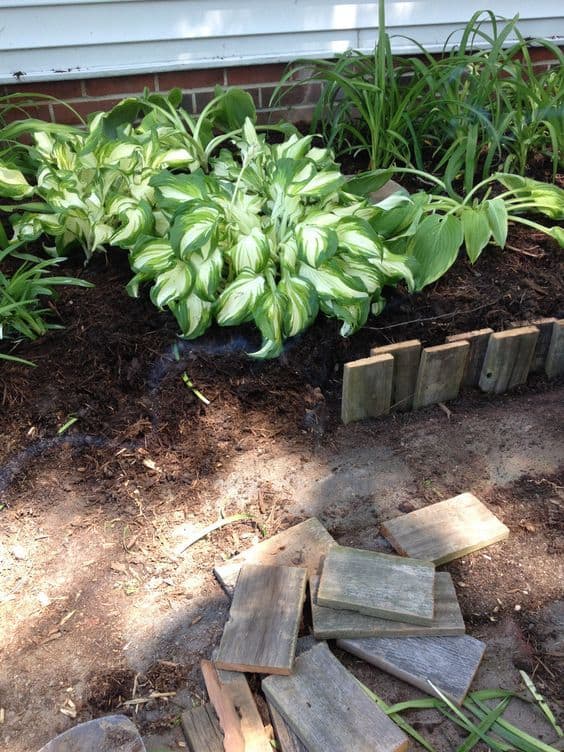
[93, 590]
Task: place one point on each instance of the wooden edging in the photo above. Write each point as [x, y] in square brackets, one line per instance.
[405, 376]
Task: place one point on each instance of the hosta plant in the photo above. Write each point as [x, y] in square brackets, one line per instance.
[271, 235]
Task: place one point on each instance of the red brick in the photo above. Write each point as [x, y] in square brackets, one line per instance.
[25, 110]
[292, 95]
[255, 74]
[99, 87]
[190, 79]
[85, 107]
[59, 89]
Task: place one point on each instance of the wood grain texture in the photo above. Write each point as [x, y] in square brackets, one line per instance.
[545, 327]
[554, 364]
[331, 623]
[508, 359]
[303, 545]
[261, 632]
[367, 388]
[236, 710]
[478, 344]
[390, 587]
[406, 366]
[445, 531]
[328, 710]
[450, 663]
[201, 729]
[440, 373]
[287, 739]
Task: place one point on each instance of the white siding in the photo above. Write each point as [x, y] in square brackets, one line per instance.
[55, 39]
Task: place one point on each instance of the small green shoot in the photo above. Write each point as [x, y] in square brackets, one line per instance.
[66, 425]
[197, 393]
[541, 703]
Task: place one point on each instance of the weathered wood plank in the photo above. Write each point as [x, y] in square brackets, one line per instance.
[554, 365]
[261, 632]
[287, 739]
[328, 710]
[508, 359]
[545, 327]
[478, 344]
[390, 587]
[406, 366]
[201, 729]
[303, 545]
[367, 388]
[331, 623]
[236, 710]
[445, 531]
[440, 373]
[450, 663]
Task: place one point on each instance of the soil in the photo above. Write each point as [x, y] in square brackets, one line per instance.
[100, 604]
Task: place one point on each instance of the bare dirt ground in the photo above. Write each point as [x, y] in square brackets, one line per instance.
[98, 601]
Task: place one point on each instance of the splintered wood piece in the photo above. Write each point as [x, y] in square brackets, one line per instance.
[390, 587]
[478, 342]
[406, 365]
[288, 741]
[236, 709]
[261, 632]
[327, 708]
[440, 373]
[508, 359]
[450, 663]
[445, 531]
[331, 623]
[367, 388]
[201, 729]
[303, 545]
[554, 365]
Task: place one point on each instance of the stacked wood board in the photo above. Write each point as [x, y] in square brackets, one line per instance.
[393, 611]
[405, 376]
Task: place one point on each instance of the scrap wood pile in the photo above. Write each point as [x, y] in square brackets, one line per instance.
[395, 612]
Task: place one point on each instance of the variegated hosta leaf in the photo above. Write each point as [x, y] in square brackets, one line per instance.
[395, 267]
[357, 237]
[237, 302]
[177, 189]
[323, 158]
[27, 227]
[288, 255]
[118, 153]
[294, 147]
[318, 185]
[192, 227]
[301, 306]
[172, 284]
[331, 282]
[13, 184]
[268, 317]
[315, 244]
[322, 219]
[179, 157]
[162, 224]
[244, 211]
[207, 269]
[136, 220]
[251, 252]
[193, 315]
[44, 144]
[366, 274]
[353, 315]
[100, 237]
[152, 256]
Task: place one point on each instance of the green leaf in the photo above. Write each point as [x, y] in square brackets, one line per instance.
[173, 190]
[317, 186]
[251, 252]
[207, 272]
[435, 247]
[353, 315]
[477, 230]
[331, 282]
[497, 217]
[193, 315]
[268, 317]
[192, 227]
[13, 184]
[315, 244]
[152, 256]
[237, 302]
[301, 305]
[357, 236]
[558, 234]
[546, 198]
[368, 182]
[137, 220]
[171, 284]
[233, 107]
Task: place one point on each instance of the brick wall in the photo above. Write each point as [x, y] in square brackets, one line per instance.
[91, 95]
[94, 94]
